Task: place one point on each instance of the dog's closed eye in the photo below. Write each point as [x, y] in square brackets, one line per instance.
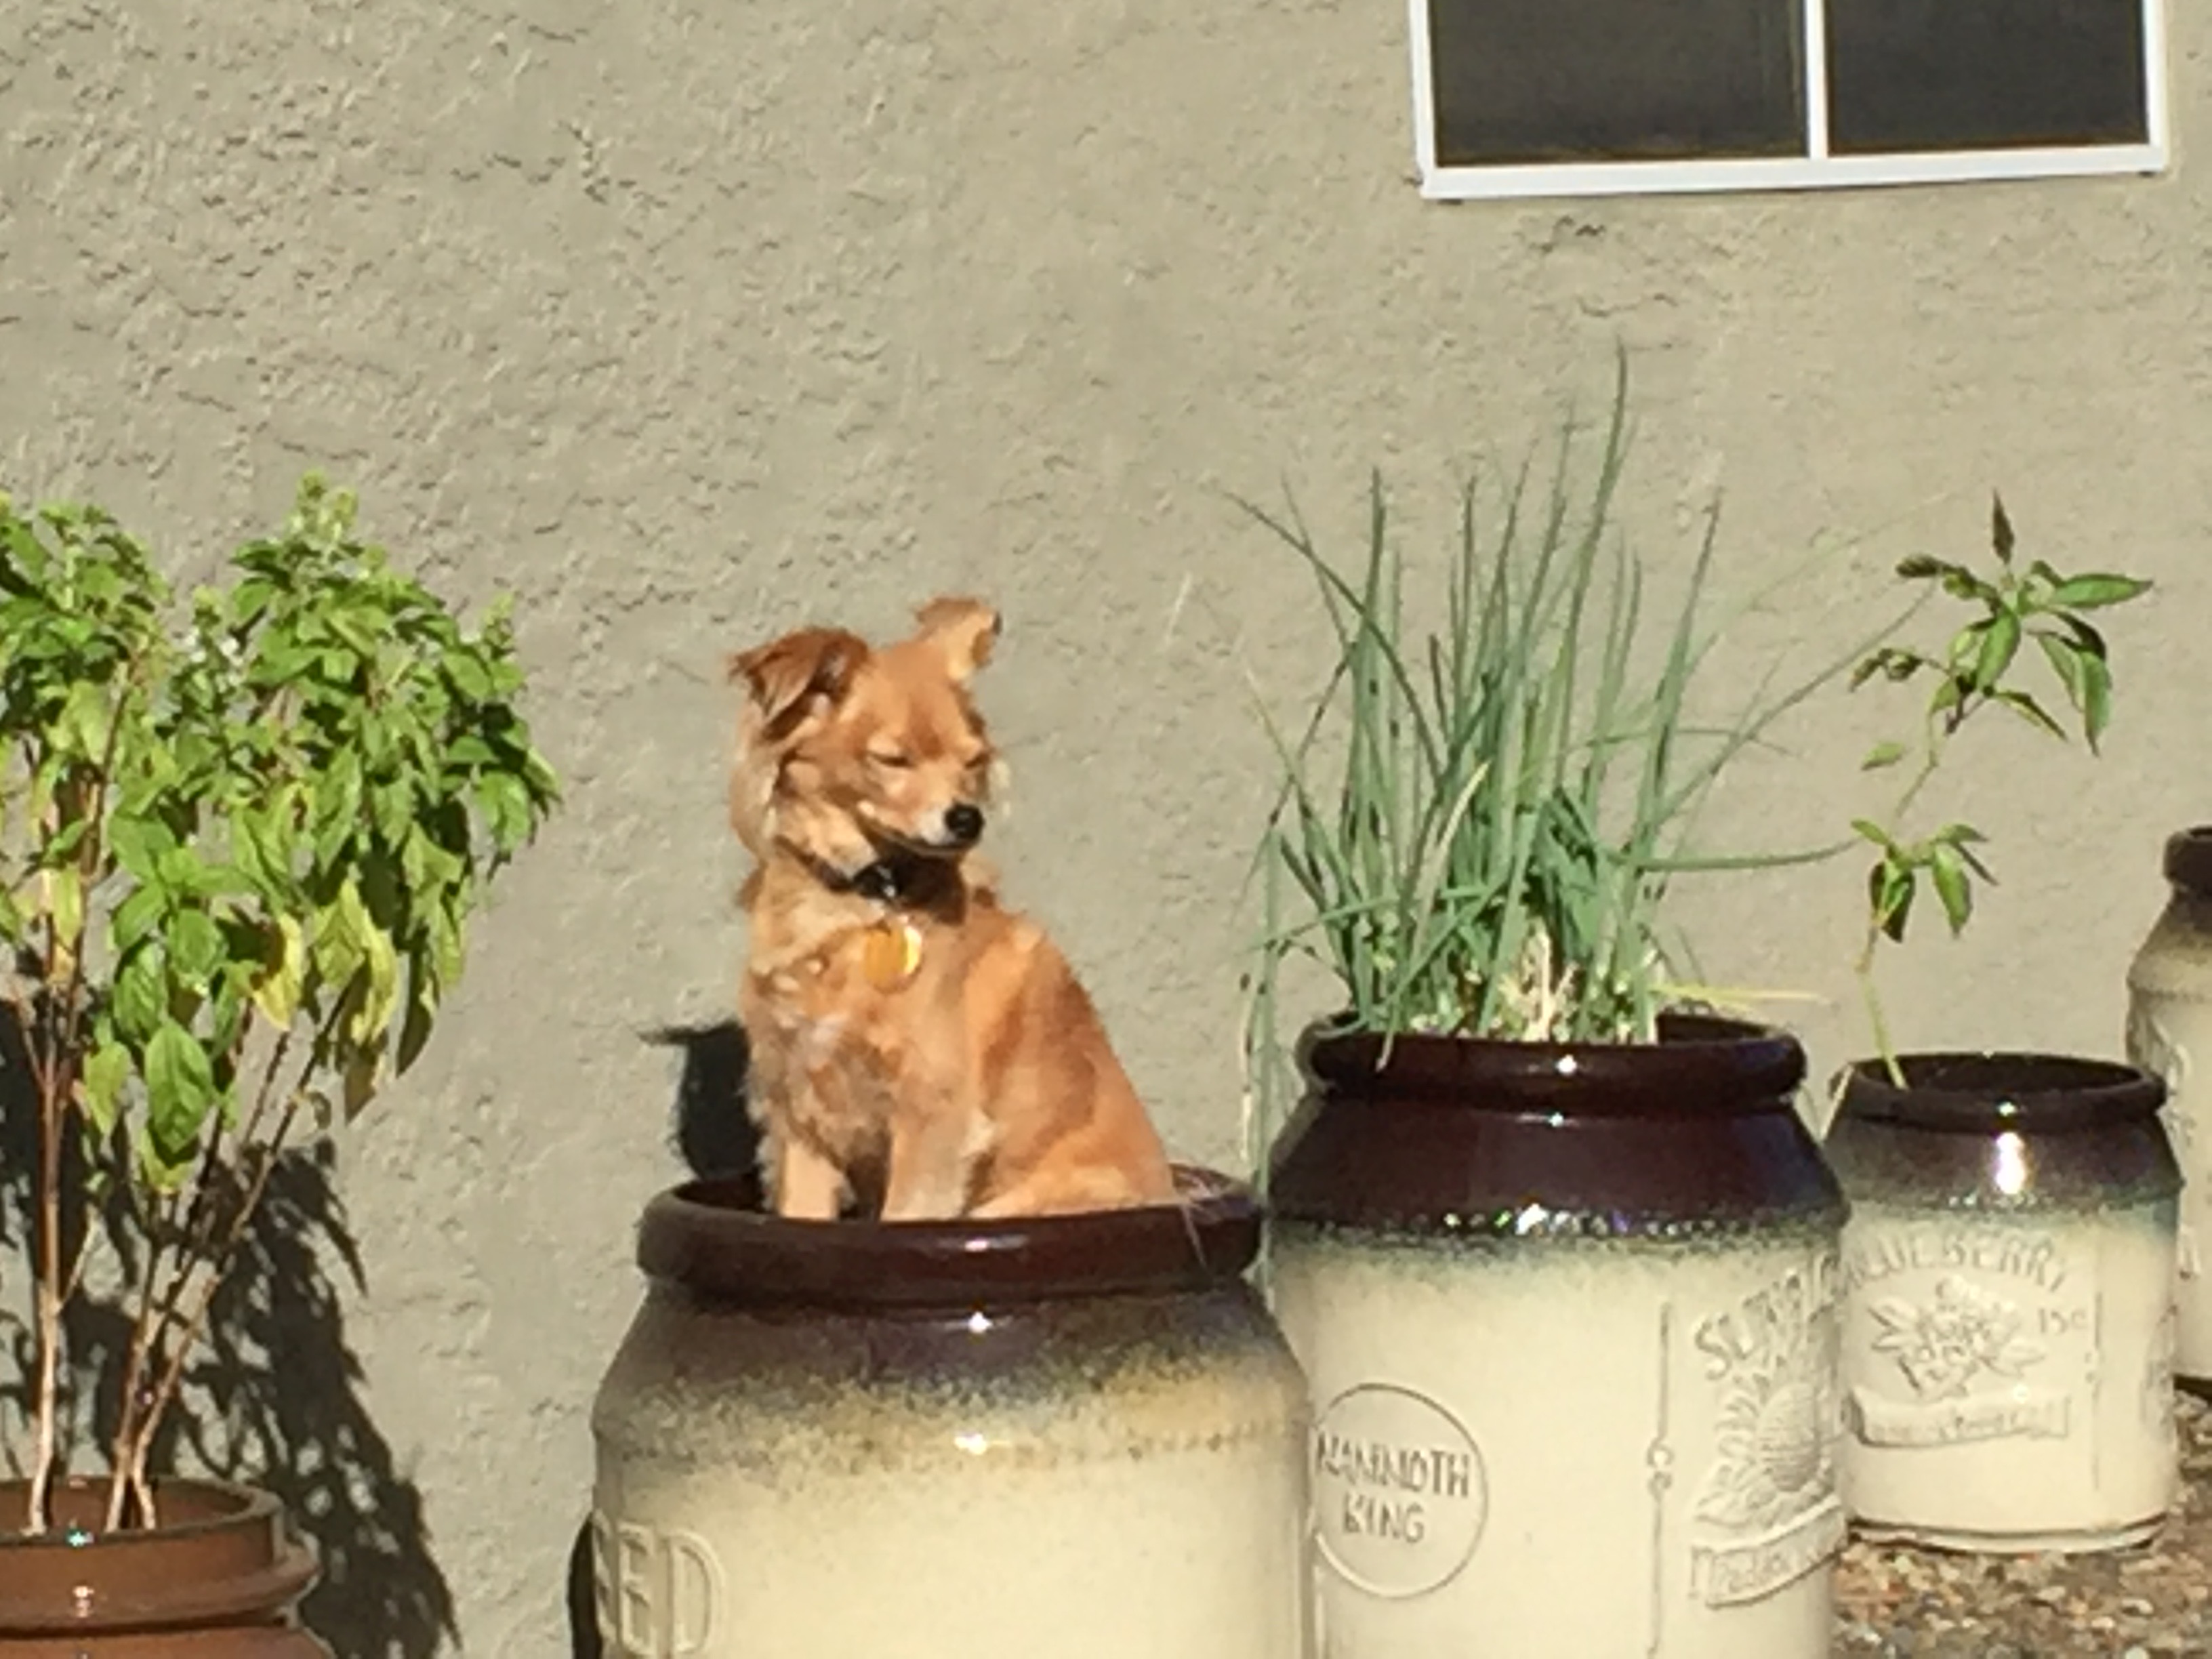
[895, 760]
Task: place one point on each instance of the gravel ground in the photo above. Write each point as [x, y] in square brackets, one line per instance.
[2153, 1602]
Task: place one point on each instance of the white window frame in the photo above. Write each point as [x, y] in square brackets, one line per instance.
[1814, 170]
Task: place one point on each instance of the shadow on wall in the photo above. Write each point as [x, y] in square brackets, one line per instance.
[273, 1396]
[714, 1135]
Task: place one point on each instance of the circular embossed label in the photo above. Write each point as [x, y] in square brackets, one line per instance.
[1398, 1490]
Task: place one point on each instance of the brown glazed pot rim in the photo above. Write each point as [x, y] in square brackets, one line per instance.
[1989, 1092]
[224, 1554]
[1720, 1066]
[702, 1236]
[2188, 862]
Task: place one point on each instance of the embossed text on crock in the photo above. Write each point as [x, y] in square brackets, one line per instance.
[1775, 1315]
[1876, 1252]
[659, 1593]
[1372, 1471]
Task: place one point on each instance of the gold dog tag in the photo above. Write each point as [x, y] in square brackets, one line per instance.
[890, 953]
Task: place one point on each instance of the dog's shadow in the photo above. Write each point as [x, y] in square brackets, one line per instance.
[715, 1136]
[714, 1132]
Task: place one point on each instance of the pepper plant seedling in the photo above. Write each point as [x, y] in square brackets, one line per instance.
[2013, 605]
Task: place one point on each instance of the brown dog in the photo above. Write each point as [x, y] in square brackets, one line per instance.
[902, 1023]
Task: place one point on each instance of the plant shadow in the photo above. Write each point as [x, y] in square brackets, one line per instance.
[273, 1397]
[714, 1135]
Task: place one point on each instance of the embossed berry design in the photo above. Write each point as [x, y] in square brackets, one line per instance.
[1944, 1345]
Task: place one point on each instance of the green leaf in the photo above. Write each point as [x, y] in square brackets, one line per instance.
[338, 796]
[1868, 830]
[335, 949]
[446, 946]
[2031, 711]
[63, 846]
[2096, 699]
[250, 852]
[1882, 754]
[107, 1068]
[2065, 662]
[506, 809]
[138, 915]
[2087, 640]
[153, 1171]
[1891, 886]
[421, 1014]
[64, 903]
[391, 808]
[1946, 870]
[81, 731]
[2000, 645]
[139, 843]
[276, 994]
[141, 999]
[360, 1079]
[469, 676]
[179, 1090]
[2093, 591]
[196, 949]
[381, 963]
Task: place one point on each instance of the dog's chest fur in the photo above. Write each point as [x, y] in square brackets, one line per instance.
[826, 1048]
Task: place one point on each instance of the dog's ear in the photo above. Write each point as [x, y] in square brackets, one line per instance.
[965, 629]
[785, 675]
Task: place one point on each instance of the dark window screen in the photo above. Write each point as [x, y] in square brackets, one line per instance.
[1951, 75]
[1549, 81]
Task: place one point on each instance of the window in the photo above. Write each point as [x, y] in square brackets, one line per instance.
[1589, 97]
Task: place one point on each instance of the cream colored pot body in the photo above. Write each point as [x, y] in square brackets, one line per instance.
[1570, 1446]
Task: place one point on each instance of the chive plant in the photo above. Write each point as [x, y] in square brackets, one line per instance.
[1477, 824]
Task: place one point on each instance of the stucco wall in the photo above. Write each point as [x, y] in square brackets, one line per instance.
[686, 322]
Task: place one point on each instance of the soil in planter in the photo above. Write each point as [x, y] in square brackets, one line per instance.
[2153, 1602]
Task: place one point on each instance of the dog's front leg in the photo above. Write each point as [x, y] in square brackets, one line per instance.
[808, 1186]
[930, 1166]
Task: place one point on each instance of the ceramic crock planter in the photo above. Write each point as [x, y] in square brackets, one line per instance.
[222, 1577]
[1075, 1437]
[1568, 1314]
[2008, 1331]
[2169, 1035]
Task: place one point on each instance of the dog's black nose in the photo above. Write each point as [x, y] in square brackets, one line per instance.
[964, 823]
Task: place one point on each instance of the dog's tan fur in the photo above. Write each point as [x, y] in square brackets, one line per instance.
[922, 1036]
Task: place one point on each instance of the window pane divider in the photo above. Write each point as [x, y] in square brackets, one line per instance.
[1816, 79]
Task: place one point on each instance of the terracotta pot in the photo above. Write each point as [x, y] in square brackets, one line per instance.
[220, 1578]
[1078, 1437]
[2008, 1315]
[1568, 1312]
[2169, 1036]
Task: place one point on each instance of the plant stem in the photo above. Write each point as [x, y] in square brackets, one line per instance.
[46, 1453]
[131, 1461]
[218, 1265]
[1882, 1044]
[139, 1413]
[134, 1373]
[1931, 754]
